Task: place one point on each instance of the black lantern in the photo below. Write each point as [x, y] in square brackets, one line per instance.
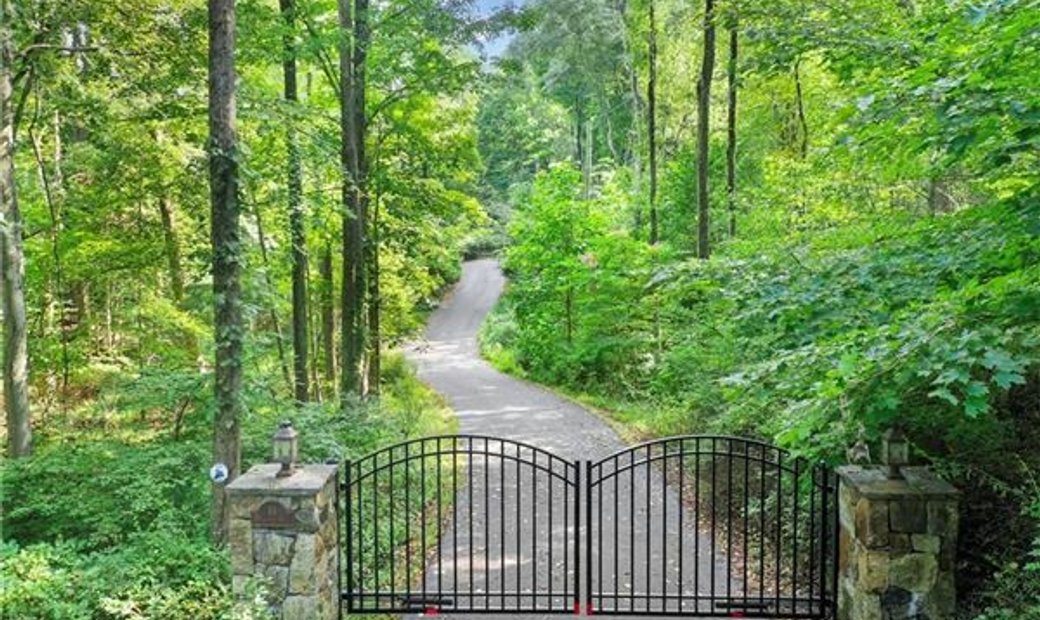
[895, 452]
[285, 449]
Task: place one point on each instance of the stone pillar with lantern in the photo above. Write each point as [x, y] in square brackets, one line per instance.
[283, 533]
[897, 539]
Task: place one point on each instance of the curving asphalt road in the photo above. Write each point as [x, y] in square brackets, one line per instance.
[488, 402]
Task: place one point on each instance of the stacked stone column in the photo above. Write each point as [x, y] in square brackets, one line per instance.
[898, 542]
[283, 532]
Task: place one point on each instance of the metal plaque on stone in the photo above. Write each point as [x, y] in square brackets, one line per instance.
[273, 516]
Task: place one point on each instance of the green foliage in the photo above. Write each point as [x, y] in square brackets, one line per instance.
[100, 493]
[806, 345]
[100, 527]
[570, 283]
[884, 265]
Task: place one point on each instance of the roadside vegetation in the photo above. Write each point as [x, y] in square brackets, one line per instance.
[802, 222]
[109, 518]
[870, 191]
[153, 327]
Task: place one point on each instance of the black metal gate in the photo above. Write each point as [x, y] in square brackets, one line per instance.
[462, 524]
[710, 526]
[693, 525]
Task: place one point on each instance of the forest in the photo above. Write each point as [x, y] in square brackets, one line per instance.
[799, 221]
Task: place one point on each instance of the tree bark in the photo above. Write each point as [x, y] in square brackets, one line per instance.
[173, 248]
[731, 126]
[314, 330]
[587, 162]
[651, 120]
[703, 127]
[352, 126]
[328, 320]
[579, 150]
[296, 223]
[227, 253]
[374, 306]
[16, 342]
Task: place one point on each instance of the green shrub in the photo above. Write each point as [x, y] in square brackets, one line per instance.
[152, 575]
[100, 493]
[805, 340]
[117, 528]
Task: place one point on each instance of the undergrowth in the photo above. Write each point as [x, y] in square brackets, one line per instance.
[117, 527]
[811, 341]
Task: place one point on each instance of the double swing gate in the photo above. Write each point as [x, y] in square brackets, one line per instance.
[696, 526]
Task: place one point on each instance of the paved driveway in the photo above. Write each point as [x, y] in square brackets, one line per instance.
[488, 402]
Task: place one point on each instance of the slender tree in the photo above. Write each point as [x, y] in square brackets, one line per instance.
[374, 302]
[651, 118]
[328, 320]
[731, 122]
[703, 128]
[227, 254]
[353, 24]
[172, 248]
[16, 340]
[296, 223]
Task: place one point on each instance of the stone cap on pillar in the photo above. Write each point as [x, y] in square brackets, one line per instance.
[261, 479]
[872, 482]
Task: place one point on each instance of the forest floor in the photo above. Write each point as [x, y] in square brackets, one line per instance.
[488, 402]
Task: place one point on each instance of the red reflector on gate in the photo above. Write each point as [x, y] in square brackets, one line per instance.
[431, 611]
[577, 609]
[736, 614]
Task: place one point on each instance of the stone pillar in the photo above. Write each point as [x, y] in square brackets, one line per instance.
[898, 541]
[283, 531]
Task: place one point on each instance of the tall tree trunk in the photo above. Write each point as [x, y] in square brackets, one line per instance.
[328, 320]
[172, 247]
[703, 128]
[586, 169]
[314, 331]
[374, 305]
[16, 341]
[579, 149]
[731, 125]
[352, 121]
[110, 341]
[651, 120]
[800, 106]
[227, 253]
[296, 224]
[361, 38]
